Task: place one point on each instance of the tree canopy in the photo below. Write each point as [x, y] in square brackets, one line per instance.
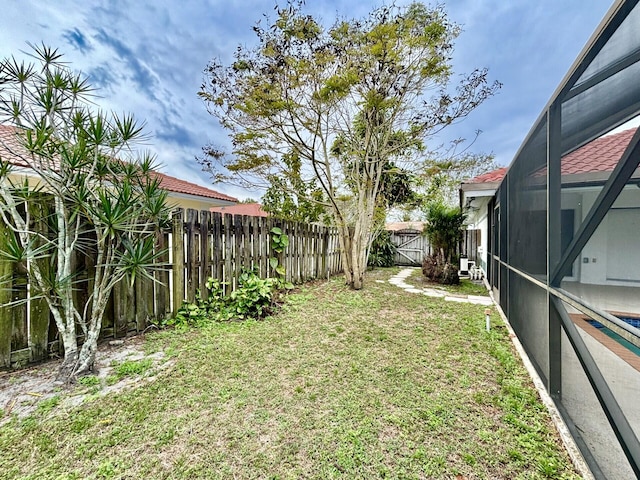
[339, 110]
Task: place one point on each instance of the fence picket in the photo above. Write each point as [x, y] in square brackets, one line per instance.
[216, 245]
[161, 285]
[193, 256]
[227, 277]
[178, 259]
[6, 313]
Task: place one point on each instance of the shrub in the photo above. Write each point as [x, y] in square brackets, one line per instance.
[382, 251]
[437, 271]
[444, 230]
[253, 298]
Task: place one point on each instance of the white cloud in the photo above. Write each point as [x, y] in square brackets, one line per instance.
[148, 58]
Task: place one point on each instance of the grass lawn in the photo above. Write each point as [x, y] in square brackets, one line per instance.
[466, 286]
[378, 383]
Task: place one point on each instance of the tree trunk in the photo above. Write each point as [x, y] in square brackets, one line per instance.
[66, 371]
[87, 356]
[354, 243]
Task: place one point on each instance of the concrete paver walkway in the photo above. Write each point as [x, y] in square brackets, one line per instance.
[400, 281]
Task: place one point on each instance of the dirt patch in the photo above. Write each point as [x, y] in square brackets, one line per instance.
[21, 391]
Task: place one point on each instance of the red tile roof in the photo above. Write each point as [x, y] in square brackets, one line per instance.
[10, 146]
[600, 155]
[173, 184]
[597, 156]
[493, 176]
[251, 209]
[11, 149]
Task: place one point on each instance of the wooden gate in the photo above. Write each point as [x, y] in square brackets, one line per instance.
[411, 247]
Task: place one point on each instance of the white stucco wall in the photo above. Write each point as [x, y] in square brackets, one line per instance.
[478, 218]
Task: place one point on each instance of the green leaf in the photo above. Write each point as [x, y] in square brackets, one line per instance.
[276, 231]
[273, 262]
[280, 270]
[284, 241]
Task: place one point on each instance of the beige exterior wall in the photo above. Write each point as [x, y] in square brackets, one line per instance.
[175, 200]
[198, 203]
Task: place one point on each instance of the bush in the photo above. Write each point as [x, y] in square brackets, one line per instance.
[253, 298]
[440, 272]
[444, 230]
[382, 251]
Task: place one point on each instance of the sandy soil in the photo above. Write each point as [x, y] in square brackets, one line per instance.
[21, 391]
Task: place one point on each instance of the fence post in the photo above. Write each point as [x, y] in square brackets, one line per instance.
[178, 259]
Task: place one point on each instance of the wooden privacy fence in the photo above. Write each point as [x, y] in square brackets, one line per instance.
[198, 246]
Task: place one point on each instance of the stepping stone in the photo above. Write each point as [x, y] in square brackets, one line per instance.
[479, 298]
[432, 293]
[456, 299]
[481, 302]
[413, 290]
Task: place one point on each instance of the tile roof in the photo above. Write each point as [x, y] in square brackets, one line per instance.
[489, 177]
[597, 156]
[251, 209]
[10, 147]
[176, 185]
[9, 144]
[600, 155]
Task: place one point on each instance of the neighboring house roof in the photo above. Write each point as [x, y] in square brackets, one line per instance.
[251, 209]
[490, 177]
[173, 184]
[598, 156]
[10, 145]
[398, 226]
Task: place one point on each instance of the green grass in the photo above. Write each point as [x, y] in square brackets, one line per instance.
[89, 381]
[466, 286]
[378, 383]
[130, 368]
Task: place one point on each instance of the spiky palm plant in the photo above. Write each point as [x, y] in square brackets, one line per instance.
[71, 186]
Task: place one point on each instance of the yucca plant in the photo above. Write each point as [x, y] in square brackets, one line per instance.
[72, 187]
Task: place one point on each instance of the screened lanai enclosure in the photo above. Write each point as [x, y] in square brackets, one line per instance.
[564, 248]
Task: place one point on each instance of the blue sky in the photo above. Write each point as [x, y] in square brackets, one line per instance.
[147, 57]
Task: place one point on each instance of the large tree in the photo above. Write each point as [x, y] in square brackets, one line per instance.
[72, 192]
[339, 108]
